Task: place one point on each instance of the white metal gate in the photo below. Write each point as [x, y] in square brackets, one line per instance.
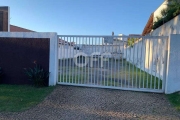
[135, 63]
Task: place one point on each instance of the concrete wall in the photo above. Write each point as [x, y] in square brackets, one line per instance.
[171, 27]
[53, 60]
[148, 55]
[173, 66]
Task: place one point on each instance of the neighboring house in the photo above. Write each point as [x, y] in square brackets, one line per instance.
[14, 28]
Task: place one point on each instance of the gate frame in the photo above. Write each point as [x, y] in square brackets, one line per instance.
[131, 89]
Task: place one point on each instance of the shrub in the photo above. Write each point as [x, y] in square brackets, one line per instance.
[131, 41]
[37, 75]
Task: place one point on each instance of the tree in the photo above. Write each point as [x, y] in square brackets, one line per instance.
[172, 10]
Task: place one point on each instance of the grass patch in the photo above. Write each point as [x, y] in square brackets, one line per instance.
[15, 98]
[81, 79]
[175, 100]
[144, 79]
[136, 77]
[111, 83]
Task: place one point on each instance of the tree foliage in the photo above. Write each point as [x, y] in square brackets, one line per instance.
[172, 10]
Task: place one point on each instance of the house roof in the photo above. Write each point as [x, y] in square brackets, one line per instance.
[149, 25]
[14, 28]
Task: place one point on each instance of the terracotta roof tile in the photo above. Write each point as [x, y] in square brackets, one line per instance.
[149, 25]
[14, 28]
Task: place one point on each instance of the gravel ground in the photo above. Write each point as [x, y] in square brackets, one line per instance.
[81, 103]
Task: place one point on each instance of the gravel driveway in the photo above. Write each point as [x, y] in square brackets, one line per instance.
[81, 103]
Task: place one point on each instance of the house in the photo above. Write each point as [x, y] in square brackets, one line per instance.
[14, 28]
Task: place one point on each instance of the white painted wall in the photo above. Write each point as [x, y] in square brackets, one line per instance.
[173, 71]
[89, 49]
[66, 51]
[53, 49]
[171, 27]
[173, 66]
[148, 55]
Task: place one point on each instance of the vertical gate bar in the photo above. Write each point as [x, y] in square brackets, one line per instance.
[126, 65]
[67, 60]
[80, 47]
[142, 39]
[75, 70]
[62, 45]
[159, 51]
[152, 63]
[64, 62]
[73, 44]
[156, 64]
[92, 62]
[133, 64]
[115, 60]
[165, 64]
[80, 60]
[109, 72]
[70, 68]
[137, 47]
[119, 60]
[101, 51]
[97, 65]
[129, 70]
[104, 66]
[97, 73]
[148, 64]
[59, 59]
[85, 46]
[78, 70]
[144, 62]
[62, 59]
[122, 69]
[82, 50]
[89, 48]
[111, 61]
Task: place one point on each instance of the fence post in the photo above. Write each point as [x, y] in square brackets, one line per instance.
[173, 65]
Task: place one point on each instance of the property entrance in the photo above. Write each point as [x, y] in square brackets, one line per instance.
[135, 63]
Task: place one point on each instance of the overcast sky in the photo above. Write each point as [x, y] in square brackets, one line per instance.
[82, 17]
